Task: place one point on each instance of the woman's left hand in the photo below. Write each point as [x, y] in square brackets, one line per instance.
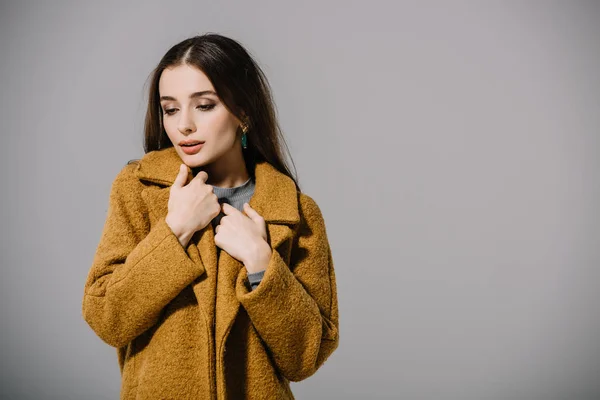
[244, 237]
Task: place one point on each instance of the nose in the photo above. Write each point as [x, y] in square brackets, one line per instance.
[186, 123]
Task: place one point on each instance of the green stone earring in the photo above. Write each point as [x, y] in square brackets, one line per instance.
[244, 138]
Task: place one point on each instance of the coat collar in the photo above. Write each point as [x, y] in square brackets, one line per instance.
[274, 198]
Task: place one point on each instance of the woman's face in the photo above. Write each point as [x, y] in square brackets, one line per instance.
[191, 110]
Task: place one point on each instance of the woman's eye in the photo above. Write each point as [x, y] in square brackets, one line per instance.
[206, 107]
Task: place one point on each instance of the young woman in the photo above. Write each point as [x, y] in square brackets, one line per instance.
[213, 277]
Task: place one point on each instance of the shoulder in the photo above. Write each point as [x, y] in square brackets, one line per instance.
[126, 183]
[127, 211]
[126, 174]
[311, 216]
[308, 207]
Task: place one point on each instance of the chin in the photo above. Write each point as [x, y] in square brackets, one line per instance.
[190, 162]
[193, 160]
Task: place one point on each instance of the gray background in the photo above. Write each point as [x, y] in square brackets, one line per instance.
[452, 147]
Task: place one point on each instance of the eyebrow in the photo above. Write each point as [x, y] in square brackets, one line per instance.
[192, 96]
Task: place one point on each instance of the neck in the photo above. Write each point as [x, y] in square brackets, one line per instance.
[226, 172]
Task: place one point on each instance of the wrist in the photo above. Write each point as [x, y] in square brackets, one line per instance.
[182, 235]
[259, 257]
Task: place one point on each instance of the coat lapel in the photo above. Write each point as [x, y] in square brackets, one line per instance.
[275, 199]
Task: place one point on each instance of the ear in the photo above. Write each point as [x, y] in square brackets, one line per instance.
[244, 118]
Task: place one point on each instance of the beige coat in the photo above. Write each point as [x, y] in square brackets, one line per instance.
[185, 323]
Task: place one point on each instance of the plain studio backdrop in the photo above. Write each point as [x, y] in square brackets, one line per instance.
[452, 146]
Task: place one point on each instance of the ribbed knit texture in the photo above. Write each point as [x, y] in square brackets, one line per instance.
[236, 197]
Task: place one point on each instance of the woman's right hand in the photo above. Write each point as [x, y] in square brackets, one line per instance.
[191, 207]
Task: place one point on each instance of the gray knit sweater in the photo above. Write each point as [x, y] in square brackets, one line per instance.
[236, 197]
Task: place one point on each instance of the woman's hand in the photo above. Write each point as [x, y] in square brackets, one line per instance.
[244, 237]
[191, 207]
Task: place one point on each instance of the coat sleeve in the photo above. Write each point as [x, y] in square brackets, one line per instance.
[295, 308]
[136, 270]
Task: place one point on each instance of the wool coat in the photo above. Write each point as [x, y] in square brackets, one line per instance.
[184, 320]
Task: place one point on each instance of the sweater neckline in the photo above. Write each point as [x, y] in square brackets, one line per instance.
[241, 190]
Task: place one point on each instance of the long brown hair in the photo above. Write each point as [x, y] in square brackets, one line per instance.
[240, 84]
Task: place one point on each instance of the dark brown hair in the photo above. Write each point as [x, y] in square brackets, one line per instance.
[240, 84]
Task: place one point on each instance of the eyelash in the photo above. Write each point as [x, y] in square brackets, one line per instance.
[206, 107]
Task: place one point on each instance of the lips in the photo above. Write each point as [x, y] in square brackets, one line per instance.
[190, 142]
[192, 148]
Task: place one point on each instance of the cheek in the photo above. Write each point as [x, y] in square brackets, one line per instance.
[220, 124]
[218, 121]
[168, 123]
[170, 128]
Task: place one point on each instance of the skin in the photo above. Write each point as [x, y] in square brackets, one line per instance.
[219, 163]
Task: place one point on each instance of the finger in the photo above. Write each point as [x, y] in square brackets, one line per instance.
[252, 213]
[181, 178]
[201, 176]
[229, 209]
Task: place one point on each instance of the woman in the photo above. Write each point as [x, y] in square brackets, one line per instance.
[213, 277]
